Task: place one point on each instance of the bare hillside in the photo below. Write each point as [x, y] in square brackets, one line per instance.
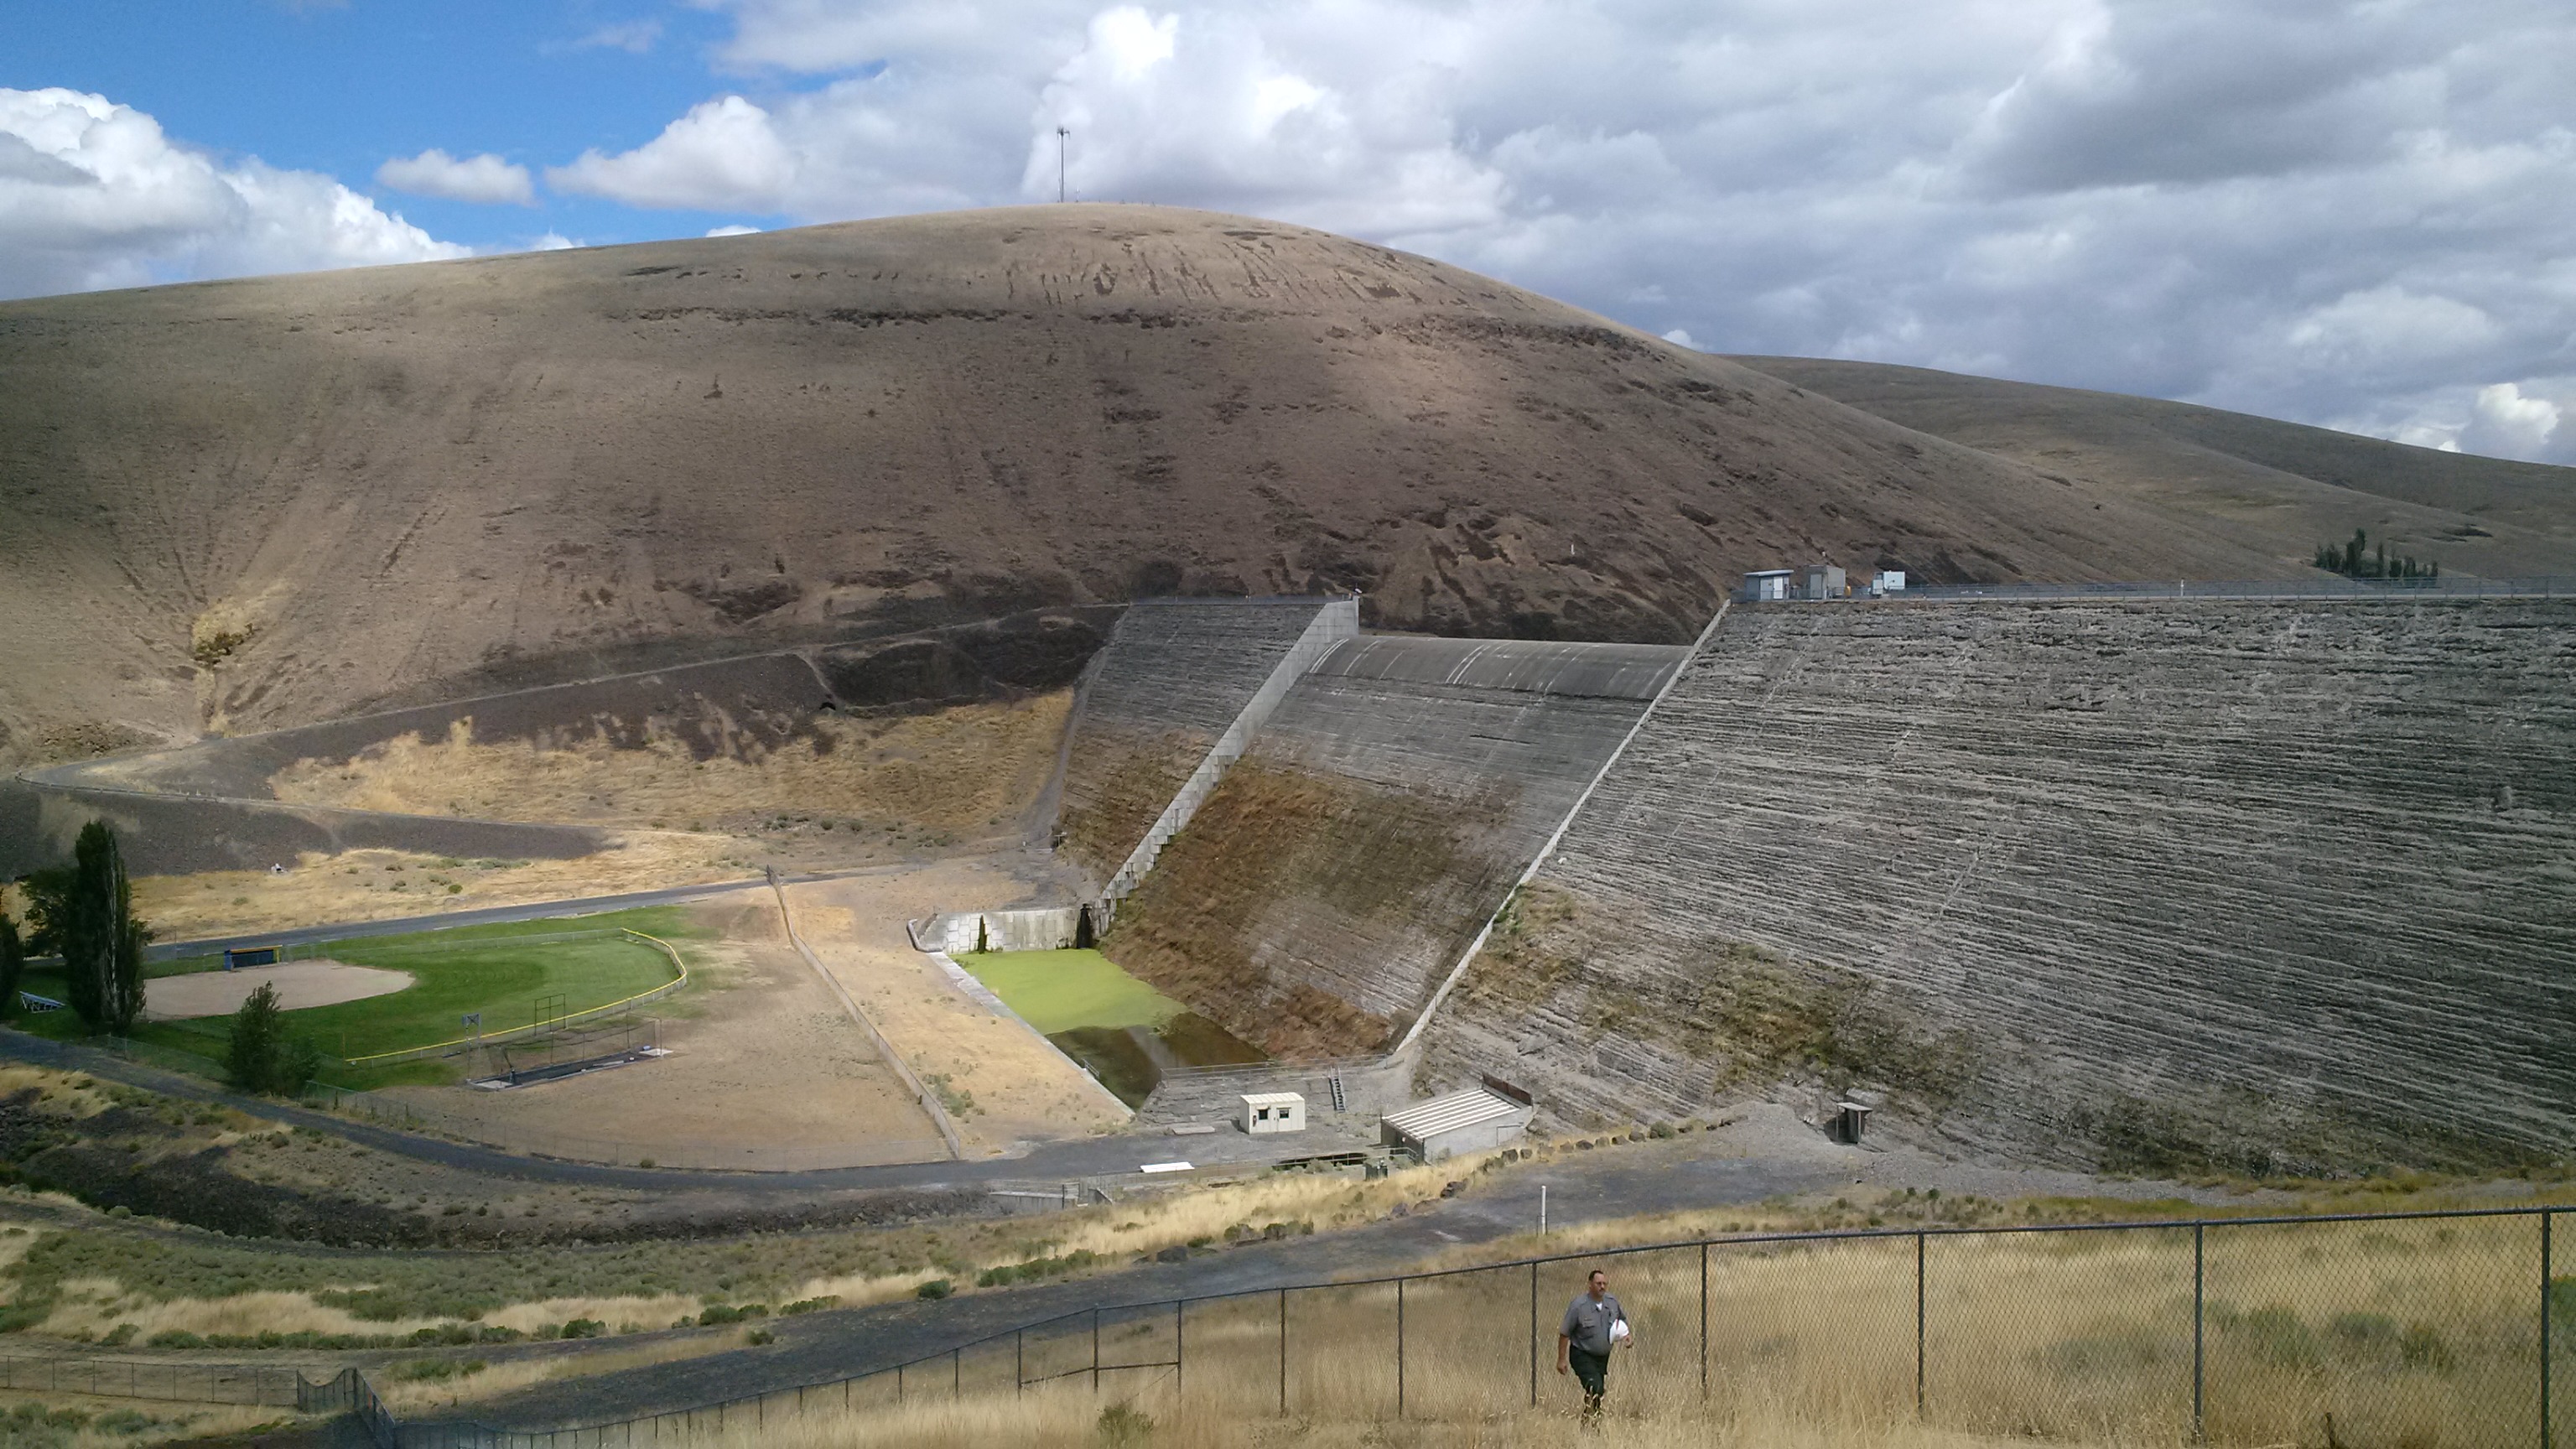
[2257, 478]
[245, 504]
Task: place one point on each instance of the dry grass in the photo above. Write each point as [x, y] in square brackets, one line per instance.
[81, 1421]
[1022, 1089]
[964, 770]
[2404, 1333]
[407, 1394]
[359, 885]
[1071, 1418]
[92, 1307]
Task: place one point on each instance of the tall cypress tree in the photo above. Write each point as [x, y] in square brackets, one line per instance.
[102, 942]
[13, 964]
[82, 929]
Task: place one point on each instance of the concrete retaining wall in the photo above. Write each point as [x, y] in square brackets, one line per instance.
[2148, 884]
[1046, 928]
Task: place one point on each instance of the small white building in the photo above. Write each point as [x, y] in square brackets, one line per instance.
[1468, 1121]
[1821, 581]
[1889, 581]
[1767, 584]
[1265, 1112]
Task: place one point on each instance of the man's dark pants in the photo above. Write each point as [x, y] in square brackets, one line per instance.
[1592, 1371]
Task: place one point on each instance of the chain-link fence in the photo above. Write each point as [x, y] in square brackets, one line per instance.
[2427, 1329]
[167, 1382]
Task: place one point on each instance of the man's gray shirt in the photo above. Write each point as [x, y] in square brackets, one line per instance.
[1587, 1323]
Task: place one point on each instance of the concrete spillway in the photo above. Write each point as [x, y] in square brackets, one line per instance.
[1378, 819]
[2254, 884]
[1174, 677]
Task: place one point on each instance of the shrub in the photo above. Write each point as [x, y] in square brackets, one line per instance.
[759, 1336]
[1122, 1425]
[934, 1289]
[258, 1056]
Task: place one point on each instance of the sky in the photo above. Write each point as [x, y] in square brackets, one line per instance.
[2360, 215]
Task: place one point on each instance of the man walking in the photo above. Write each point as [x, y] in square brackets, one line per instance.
[1594, 1324]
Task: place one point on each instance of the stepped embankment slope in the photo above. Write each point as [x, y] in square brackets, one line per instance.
[1327, 885]
[1175, 675]
[2260, 885]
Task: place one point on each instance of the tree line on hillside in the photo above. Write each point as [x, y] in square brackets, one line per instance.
[2356, 560]
[83, 911]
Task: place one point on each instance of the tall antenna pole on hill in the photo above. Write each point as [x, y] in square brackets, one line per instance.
[1060, 134]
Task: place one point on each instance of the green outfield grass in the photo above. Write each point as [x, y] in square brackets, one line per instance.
[496, 970]
[1068, 990]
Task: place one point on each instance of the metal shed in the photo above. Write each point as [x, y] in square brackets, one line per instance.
[1468, 1121]
[1767, 584]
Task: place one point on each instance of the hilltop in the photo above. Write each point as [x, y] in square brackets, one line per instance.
[2257, 478]
[245, 504]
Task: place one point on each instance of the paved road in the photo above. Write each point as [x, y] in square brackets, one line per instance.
[1050, 1162]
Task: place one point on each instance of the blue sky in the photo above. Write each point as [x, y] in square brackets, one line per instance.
[339, 88]
[2358, 213]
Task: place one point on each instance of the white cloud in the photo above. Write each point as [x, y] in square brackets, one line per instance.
[723, 154]
[485, 178]
[733, 229]
[93, 194]
[635, 37]
[553, 241]
[1680, 337]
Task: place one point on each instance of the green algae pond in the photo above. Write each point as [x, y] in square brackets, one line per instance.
[1124, 1030]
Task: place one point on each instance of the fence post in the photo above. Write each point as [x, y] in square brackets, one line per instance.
[1533, 1335]
[956, 1377]
[1703, 1320]
[1095, 1350]
[1283, 1353]
[2546, 1428]
[1178, 1355]
[1019, 1361]
[2199, 1361]
[1399, 1348]
[1918, 1325]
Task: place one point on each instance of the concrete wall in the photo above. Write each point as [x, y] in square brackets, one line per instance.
[2248, 884]
[1046, 928]
[1400, 788]
[1175, 676]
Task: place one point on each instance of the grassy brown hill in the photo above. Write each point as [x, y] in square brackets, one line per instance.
[244, 504]
[2257, 478]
